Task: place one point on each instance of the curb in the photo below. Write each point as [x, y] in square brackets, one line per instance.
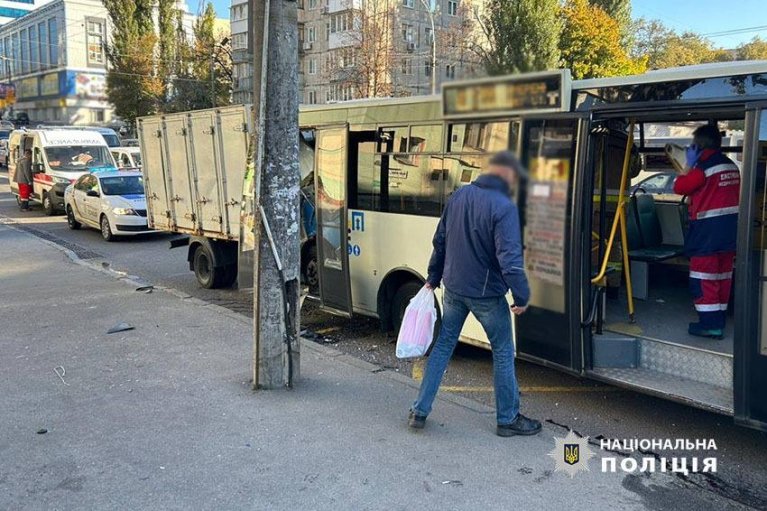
[325, 351]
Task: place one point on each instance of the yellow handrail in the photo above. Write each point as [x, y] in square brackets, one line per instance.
[620, 220]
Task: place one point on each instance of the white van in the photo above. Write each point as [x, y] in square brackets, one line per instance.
[59, 157]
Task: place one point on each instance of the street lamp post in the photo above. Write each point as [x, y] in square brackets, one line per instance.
[433, 48]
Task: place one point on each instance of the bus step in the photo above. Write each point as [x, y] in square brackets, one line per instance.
[688, 362]
[690, 392]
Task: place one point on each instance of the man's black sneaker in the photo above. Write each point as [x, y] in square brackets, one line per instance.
[521, 426]
[416, 421]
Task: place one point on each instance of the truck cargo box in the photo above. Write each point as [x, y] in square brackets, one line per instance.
[193, 170]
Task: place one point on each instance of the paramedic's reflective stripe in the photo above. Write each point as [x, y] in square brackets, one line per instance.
[711, 213]
[710, 307]
[718, 169]
[710, 276]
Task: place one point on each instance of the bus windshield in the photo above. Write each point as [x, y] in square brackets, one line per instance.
[111, 139]
[122, 185]
[78, 158]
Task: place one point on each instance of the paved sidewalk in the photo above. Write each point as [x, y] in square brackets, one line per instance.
[162, 417]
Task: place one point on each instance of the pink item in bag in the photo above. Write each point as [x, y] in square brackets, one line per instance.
[417, 330]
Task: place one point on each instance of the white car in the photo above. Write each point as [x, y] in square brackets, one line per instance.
[111, 201]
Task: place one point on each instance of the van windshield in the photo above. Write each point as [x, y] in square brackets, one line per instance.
[78, 158]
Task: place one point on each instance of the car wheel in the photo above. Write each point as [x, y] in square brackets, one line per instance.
[208, 275]
[71, 220]
[106, 229]
[48, 206]
[401, 300]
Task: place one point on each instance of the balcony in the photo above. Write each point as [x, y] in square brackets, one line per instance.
[343, 5]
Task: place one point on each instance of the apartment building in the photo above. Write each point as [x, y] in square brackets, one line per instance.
[350, 49]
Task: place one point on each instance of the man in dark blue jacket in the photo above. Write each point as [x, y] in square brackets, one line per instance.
[478, 256]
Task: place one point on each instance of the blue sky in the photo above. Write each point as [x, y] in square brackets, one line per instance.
[702, 16]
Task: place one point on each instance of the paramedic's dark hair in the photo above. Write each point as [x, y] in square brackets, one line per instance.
[707, 137]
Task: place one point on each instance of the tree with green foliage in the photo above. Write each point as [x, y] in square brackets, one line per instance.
[756, 49]
[132, 84]
[665, 48]
[204, 79]
[590, 44]
[620, 11]
[519, 36]
[167, 15]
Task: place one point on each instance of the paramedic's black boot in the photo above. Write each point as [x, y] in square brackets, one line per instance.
[710, 333]
[416, 421]
[521, 426]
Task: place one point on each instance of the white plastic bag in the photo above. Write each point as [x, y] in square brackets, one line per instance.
[417, 330]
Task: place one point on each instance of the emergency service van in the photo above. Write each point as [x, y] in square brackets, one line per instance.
[59, 157]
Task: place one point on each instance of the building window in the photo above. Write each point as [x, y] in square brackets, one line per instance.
[450, 71]
[341, 22]
[429, 35]
[406, 67]
[95, 36]
[312, 4]
[53, 37]
[311, 97]
[427, 68]
[452, 7]
[16, 48]
[42, 33]
[24, 51]
[311, 34]
[407, 32]
[312, 64]
[408, 3]
[34, 49]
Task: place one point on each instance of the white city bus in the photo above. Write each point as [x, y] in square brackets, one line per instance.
[383, 170]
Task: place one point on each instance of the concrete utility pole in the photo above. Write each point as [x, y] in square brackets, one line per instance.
[276, 351]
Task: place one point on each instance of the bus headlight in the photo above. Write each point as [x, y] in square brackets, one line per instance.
[124, 211]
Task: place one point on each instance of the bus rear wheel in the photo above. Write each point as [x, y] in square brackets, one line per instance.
[401, 300]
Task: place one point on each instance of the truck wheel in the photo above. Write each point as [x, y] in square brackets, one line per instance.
[401, 300]
[208, 275]
[48, 206]
[71, 220]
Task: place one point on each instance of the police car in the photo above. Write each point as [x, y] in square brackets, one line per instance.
[111, 201]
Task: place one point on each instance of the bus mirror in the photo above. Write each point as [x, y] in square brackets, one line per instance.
[39, 167]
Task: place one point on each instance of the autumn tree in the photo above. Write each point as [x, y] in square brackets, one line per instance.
[519, 36]
[665, 48]
[366, 59]
[756, 49]
[590, 44]
[619, 10]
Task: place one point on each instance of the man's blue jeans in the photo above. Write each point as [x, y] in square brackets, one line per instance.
[494, 316]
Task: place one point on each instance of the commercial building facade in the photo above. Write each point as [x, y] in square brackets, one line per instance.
[55, 59]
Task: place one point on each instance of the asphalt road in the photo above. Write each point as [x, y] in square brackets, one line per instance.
[590, 408]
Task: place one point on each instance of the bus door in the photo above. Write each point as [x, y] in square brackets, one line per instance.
[331, 156]
[750, 278]
[549, 330]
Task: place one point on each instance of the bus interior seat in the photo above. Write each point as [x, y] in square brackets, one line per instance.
[645, 241]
